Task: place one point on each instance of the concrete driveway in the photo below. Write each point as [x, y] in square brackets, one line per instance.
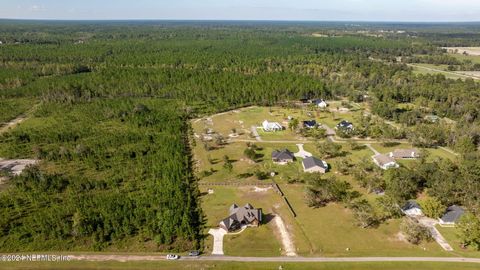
[217, 240]
[301, 152]
[430, 224]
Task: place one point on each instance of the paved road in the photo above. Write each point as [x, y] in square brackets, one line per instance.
[125, 258]
[337, 259]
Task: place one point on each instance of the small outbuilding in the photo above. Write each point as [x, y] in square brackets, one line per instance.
[320, 103]
[451, 216]
[412, 209]
[314, 165]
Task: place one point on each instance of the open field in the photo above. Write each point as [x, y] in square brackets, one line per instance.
[433, 69]
[461, 50]
[193, 265]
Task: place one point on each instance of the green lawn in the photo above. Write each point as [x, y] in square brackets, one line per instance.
[173, 265]
[331, 230]
[215, 207]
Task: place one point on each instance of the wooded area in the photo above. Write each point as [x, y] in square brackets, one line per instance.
[113, 102]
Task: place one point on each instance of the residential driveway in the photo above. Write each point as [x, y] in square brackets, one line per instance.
[430, 223]
[287, 242]
[217, 240]
[373, 149]
[301, 152]
[255, 133]
[330, 131]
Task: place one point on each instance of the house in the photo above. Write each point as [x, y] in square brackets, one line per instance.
[271, 126]
[310, 124]
[241, 216]
[282, 156]
[312, 165]
[320, 103]
[385, 162]
[412, 209]
[451, 216]
[405, 153]
[345, 125]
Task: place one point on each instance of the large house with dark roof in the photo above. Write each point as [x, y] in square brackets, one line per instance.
[451, 216]
[241, 216]
[282, 156]
[312, 165]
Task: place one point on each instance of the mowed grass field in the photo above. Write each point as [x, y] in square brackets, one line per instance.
[261, 241]
[201, 265]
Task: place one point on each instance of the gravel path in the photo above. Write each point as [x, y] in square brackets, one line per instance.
[287, 242]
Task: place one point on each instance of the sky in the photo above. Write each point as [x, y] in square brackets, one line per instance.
[309, 10]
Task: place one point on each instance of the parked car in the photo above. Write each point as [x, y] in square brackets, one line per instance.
[173, 257]
[194, 253]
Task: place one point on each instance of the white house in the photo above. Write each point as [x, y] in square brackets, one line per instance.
[404, 153]
[385, 162]
[321, 103]
[271, 126]
[412, 209]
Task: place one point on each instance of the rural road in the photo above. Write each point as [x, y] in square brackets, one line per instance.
[125, 258]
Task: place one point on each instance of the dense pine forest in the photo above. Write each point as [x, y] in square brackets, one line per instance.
[109, 105]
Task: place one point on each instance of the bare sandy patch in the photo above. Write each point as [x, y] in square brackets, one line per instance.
[464, 50]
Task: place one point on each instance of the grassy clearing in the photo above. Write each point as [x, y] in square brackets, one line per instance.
[264, 240]
[450, 234]
[332, 230]
[12, 108]
[423, 69]
[171, 265]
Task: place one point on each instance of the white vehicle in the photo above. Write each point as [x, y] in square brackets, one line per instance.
[172, 257]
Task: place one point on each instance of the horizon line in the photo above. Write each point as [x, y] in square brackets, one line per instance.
[238, 20]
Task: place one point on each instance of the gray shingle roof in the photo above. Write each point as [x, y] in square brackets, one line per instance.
[311, 162]
[382, 160]
[243, 215]
[283, 155]
[452, 214]
[411, 205]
